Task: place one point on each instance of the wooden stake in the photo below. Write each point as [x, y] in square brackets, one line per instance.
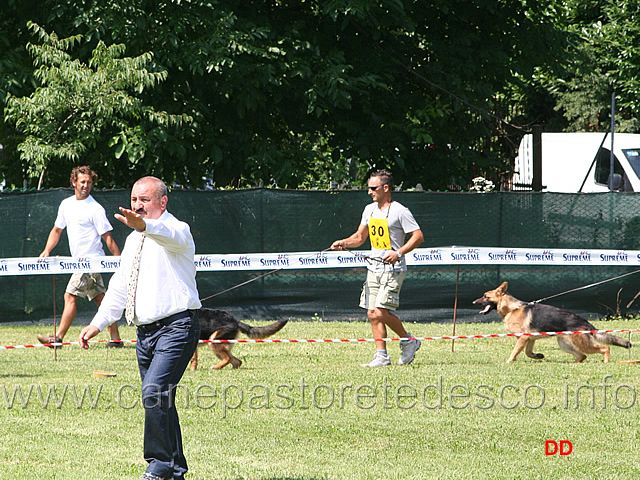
[55, 326]
[455, 308]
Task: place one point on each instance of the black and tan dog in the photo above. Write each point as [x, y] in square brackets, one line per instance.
[221, 325]
[523, 317]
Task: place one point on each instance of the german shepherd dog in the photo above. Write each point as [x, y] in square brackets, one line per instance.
[523, 317]
[220, 325]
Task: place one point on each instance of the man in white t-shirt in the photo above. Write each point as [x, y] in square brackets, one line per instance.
[87, 226]
[386, 223]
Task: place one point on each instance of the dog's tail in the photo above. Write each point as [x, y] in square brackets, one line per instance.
[261, 332]
[608, 339]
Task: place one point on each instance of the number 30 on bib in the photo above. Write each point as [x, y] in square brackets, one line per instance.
[379, 233]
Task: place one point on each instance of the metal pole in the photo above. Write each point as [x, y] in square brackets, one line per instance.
[455, 308]
[611, 155]
[55, 327]
[536, 180]
[594, 161]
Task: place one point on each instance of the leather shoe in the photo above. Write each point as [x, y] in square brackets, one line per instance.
[153, 476]
[50, 339]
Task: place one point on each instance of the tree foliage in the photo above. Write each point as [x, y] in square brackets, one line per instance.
[605, 53]
[315, 93]
[77, 105]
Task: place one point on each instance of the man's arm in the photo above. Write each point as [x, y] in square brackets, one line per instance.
[354, 241]
[416, 238]
[111, 244]
[52, 241]
[173, 235]
[111, 308]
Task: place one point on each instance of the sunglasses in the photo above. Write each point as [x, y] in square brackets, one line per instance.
[374, 188]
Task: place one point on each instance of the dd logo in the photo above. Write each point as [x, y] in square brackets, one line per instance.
[564, 447]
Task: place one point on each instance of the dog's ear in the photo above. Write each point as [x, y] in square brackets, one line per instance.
[503, 288]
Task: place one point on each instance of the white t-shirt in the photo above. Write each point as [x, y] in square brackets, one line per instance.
[400, 222]
[86, 222]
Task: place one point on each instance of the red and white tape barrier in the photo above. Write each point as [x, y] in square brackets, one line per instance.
[349, 340]
[58, 344]
[445, 337]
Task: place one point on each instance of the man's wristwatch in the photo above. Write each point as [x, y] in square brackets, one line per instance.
[399, 255]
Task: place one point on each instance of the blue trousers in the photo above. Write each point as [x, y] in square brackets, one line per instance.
[163, 355]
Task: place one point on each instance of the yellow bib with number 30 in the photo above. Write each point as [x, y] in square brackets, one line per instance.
[379, 233]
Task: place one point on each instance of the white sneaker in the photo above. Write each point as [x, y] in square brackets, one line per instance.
[379, 360]
[409, 349]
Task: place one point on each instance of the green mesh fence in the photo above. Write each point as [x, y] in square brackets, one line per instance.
[265, 220]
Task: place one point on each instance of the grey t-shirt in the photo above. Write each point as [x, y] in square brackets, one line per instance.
[400, 222]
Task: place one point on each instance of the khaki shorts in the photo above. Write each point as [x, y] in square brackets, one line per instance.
[88, 285]
[382, 290]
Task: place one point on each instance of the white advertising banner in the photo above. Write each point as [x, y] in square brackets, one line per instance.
[338, 259]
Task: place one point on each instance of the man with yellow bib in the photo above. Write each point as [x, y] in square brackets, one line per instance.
[386, 223]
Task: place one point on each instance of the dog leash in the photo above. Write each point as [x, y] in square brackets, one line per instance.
[367, 257]
[359, 255]
[256, 278]
[592, 285]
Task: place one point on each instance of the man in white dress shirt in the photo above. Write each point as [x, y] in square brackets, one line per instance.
[165, 313]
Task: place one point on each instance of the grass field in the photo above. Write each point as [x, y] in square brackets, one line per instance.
[309, 411]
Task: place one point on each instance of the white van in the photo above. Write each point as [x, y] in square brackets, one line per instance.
[575, 162]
